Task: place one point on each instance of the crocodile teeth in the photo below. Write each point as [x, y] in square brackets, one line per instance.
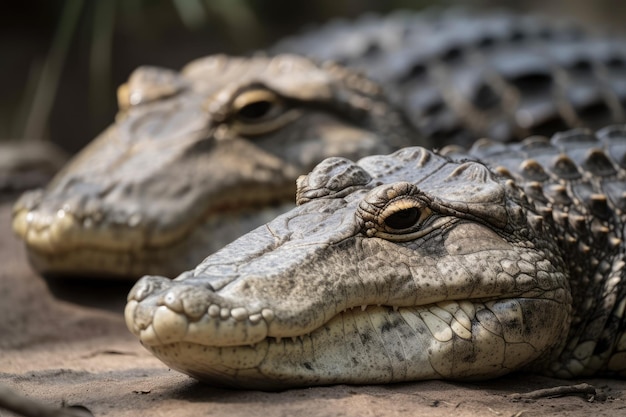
[214, 310]
[168, 325]
[239, 313]
[267, 314]
[129, 316]
[255, 318]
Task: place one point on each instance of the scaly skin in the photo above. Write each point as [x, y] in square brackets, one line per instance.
[413, 266]
[461, 75]
[196, 159]
[179, 175]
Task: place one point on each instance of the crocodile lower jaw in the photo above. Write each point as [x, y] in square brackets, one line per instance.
[373, 345]
[67, 254]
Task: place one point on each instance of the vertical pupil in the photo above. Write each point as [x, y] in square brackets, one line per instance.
[403, 219]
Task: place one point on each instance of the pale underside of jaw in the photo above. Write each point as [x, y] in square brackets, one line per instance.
[367, 344]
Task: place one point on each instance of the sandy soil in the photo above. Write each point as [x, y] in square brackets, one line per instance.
[67, 353]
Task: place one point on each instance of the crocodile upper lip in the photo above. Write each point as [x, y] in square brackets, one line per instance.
[63, 231]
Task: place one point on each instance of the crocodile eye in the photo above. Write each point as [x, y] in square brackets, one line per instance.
[403, 219]
[256, 105]
[403, 216]
[255, 111]
[397, 212]
[260, 111]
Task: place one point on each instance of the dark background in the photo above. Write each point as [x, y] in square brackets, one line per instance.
[62, 60]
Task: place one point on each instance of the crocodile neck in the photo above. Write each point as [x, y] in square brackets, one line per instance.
[576, 184]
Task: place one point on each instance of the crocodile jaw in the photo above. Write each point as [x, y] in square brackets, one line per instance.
[268, 312]
[364, 345]
[448, 340]
[121, 259]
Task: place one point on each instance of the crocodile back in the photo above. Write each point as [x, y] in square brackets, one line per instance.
[577, 180]
[461, 76]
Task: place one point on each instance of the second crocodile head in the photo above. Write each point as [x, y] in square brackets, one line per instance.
[197, 158]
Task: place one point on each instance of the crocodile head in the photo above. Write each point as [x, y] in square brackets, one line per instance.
[400, 267]
[196, 159]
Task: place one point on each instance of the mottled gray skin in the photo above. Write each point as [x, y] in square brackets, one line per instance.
[413, 266]
[195, 159]
[181, 172]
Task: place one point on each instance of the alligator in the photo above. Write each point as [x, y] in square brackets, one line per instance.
[197, 158]
[410, 266]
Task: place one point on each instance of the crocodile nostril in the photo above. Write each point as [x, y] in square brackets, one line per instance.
[148, 285]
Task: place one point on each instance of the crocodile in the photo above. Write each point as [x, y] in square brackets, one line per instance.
[197, 158]
[411, 266]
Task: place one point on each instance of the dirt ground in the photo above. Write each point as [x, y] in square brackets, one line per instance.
[65, 353]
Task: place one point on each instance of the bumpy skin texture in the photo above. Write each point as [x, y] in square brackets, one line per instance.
[195, 159]
[413, 266]
[461, 75]
[186, 168]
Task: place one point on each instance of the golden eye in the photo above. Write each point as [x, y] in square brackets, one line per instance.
[260, 111]
[402, 216]
[403, 219]
[398, 212]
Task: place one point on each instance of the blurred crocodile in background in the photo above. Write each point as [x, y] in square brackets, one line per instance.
[411, 266]
[197, 158]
